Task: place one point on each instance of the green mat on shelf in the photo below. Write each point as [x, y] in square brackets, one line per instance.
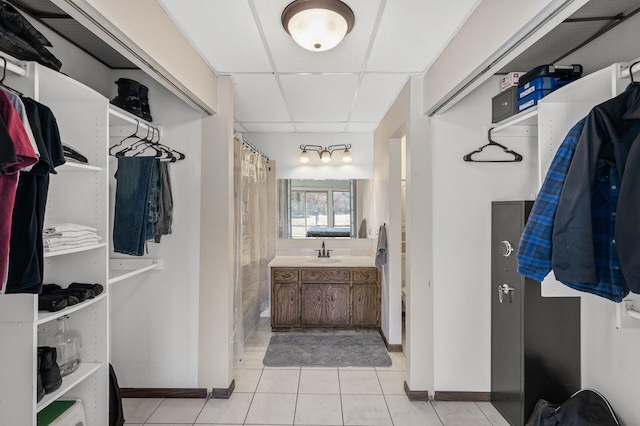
[53, 411]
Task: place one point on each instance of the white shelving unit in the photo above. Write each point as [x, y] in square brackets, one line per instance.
[78, 193]
[554, 116]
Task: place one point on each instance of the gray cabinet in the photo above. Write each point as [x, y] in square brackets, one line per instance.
[535, 341]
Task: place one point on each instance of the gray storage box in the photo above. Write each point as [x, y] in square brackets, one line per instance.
[504, 105]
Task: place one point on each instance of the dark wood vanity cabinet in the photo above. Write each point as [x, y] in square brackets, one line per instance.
[285, 294]
[326, 297]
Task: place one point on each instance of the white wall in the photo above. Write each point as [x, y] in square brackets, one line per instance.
[285, 149]
[154, 316]
[462, 195]
[405, 118]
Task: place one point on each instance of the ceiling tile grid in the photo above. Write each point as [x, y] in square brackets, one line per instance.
[281, 87]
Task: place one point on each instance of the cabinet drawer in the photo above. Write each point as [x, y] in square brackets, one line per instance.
[321, 275]
[365, 275]
[285, 275]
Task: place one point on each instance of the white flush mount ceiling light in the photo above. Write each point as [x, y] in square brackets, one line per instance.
[317, 25]
[325, 152]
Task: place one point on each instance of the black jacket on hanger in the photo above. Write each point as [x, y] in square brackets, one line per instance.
[609, 141]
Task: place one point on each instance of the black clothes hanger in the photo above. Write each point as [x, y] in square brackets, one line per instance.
[516, 156]
[631, 72]
[133, 135]
[4, 74]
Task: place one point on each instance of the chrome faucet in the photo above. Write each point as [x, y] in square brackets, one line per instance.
[323, 252]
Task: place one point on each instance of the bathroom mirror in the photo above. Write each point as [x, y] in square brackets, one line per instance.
[310, 208]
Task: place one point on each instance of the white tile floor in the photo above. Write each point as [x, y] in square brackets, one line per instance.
[310, 396]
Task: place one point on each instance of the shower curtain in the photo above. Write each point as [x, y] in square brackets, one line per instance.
[251, 195]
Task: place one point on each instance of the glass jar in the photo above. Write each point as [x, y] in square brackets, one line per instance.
[68, 344]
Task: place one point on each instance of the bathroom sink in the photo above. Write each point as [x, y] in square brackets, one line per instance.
[324, 260]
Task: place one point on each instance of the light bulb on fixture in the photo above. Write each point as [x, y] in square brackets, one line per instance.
[304, 156]
[317, 25]
[325, 156]
[346, 156]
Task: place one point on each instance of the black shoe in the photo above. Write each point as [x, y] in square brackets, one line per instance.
[52, 303]
[144, 103]
[49, 369]
[128, 97]
[81, 294]
[96, 288]
[40, 388]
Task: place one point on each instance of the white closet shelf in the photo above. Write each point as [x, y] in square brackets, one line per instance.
[528, 117]
[44, 317]
[120, 117]
[70, 166]
[85, 370]
[73, 250]
[132, 267]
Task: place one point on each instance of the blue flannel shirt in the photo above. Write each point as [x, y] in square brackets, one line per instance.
[534, 252]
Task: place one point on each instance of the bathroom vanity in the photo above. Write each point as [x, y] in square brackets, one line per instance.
[325, 293]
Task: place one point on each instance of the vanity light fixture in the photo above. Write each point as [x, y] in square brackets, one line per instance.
[317, 25]
[325, 152]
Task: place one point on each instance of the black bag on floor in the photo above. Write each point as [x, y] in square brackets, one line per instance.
[116, 414]
[585, 408]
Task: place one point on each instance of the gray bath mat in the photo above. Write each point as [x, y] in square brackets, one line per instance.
[327, 350]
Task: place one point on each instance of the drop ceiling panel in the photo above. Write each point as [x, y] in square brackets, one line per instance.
[223, 31]
[348, 56]
[413, 32]
[321, 127]
[258, 98]
[268, 127]
[319, 98]
[375, 95]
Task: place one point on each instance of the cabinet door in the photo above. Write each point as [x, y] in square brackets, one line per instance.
[365, 305]
[285, 306]
[336, 304]
[506, 313]
[312, 302]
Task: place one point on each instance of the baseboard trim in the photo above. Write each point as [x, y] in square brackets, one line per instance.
[415, 395]
[222, 393]
[390, 348]
[163, 392]
[462, 396]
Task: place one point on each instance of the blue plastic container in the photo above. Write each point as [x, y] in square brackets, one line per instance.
[532, 99]
[548, 84]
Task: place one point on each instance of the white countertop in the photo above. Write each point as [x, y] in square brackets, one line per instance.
[331, 262]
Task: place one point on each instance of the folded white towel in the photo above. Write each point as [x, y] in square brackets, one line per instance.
[70, 246]
[52, 242]
[64, 227]
[68, 234]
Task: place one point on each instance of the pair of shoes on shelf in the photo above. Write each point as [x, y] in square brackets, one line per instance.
[133, 97]
[49, 378]
[55, 298]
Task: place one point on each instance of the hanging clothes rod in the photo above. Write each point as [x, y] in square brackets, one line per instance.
[14, 68]
[633, 314]
[636, 68]
[253, 147]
